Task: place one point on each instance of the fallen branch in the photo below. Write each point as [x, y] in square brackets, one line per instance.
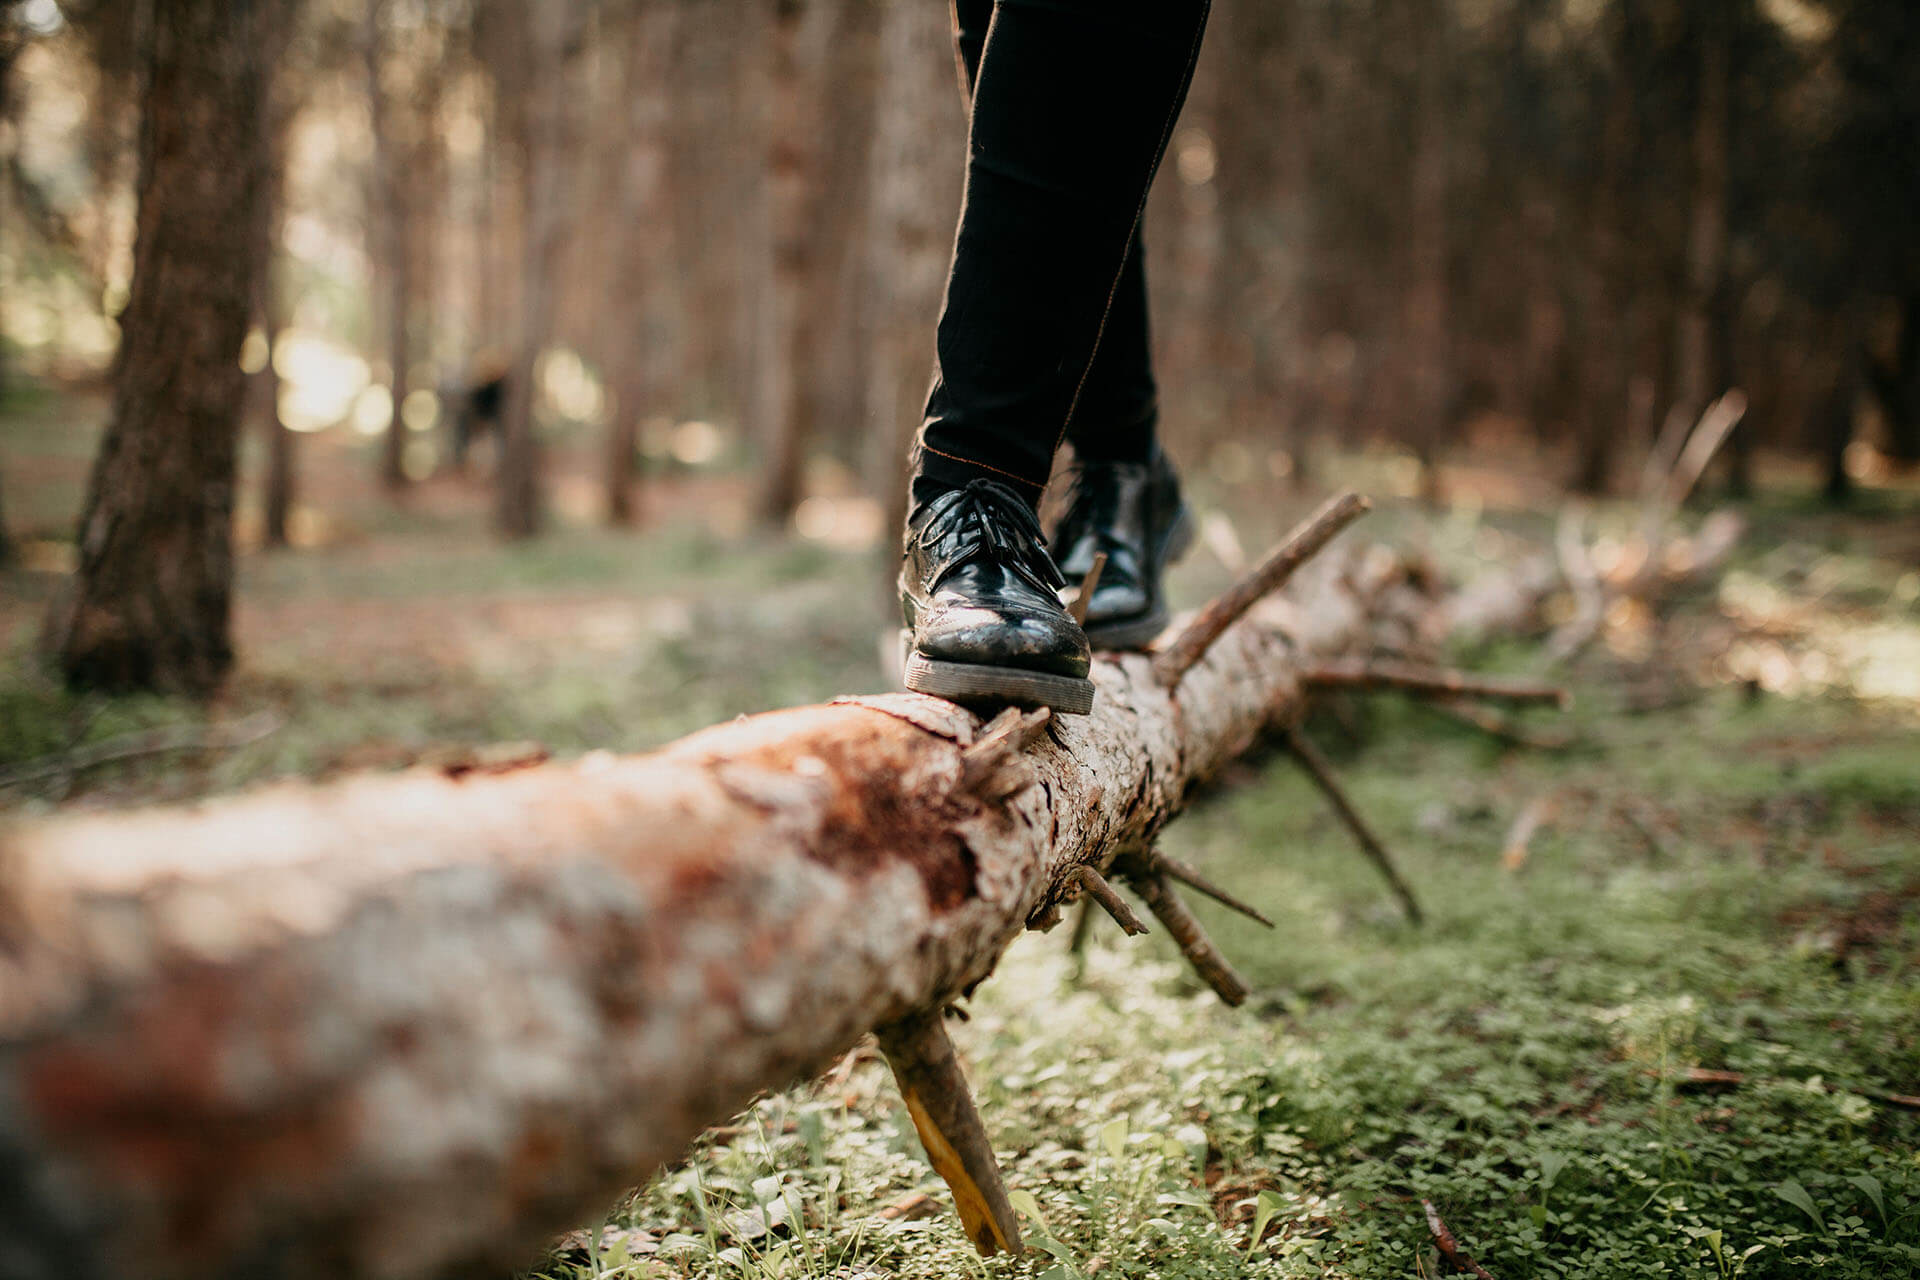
[1322, 773]
[1498, 725]
[1710, 1078]
[148, 742]
[1383, 673]
[404, 1025]
[1449, 1247]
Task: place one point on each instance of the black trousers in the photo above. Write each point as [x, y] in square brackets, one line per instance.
[1043, 331]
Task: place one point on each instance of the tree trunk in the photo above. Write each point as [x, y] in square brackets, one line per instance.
[1602, 286]
[1430, 339]
[793, 200]
[400, 1026]
[1702, 340]
[918, 160]
[388, 220]
[554, 36]
[643, 321]
[269, 311]
[149, 605]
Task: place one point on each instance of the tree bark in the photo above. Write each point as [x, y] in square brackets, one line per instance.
[405, 1025]
[149, 605]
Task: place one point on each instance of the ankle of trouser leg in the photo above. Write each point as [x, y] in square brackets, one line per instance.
[936, 473]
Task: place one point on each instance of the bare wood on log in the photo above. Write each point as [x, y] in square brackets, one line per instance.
[1160, 862]
[1173, 662]
[1322, 773]
[1384, 673]
[1084, 596]
[935, 1091]
[1192, 940]
[1449, 1247]
[1098, 890]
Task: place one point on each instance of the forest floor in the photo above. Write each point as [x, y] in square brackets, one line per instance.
[1667, 1036]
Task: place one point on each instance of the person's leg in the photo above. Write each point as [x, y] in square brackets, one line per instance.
[1072, 106]
[1118, 407]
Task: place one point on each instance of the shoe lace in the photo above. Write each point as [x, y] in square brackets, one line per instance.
[987, 520]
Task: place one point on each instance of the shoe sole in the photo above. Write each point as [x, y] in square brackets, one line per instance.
[975, 682]
[1131, 634]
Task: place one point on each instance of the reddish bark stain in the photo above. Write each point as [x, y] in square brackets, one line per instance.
[142, 1101]
[872, 819]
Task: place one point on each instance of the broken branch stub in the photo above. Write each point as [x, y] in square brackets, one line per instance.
[1098, 890]
[1194, 944]
[935, 1090]
[1171, 664]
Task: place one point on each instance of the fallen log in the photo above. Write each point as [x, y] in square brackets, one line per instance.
[411, 1025]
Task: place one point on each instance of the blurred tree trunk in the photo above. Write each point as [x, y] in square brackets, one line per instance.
[801, 30]
[1264, 157]
[269, 311]
[917, 165]
[149, 606]
[643, 319]
[1429, 346]
[1602, 285]
[1701, 356]
[388, 219]
[555, 32]
[836, 380]
[1895, 381]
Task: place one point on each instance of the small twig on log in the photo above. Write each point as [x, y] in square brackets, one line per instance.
[1387, 674]
[1098, 890]
[1157, 861]
[991, 768]
[1194, 944]
[1084, 596]
[1448, 1246]
[1519, 845]
[1298, 547]
[1497, 725]
[1709, 1078]
[223, 737]
[935, 1091]
[1322, 773]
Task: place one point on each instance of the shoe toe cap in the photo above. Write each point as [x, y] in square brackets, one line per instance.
[955, 631]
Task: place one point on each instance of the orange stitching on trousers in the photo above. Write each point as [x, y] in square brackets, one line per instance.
[954, 457]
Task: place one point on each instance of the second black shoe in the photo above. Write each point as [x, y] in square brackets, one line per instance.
[980, 596]
[1132, 511]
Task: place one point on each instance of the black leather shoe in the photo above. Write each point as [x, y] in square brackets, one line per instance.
[981, 598]
[1132, 511]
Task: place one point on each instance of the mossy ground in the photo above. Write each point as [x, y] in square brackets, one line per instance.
[1728, 878]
